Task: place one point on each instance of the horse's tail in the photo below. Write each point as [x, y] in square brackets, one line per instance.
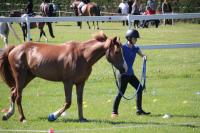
[50, 29]
[5, 69]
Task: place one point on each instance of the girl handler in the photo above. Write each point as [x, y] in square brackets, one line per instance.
[129, 52]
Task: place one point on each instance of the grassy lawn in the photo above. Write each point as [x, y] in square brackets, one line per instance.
[173, 80]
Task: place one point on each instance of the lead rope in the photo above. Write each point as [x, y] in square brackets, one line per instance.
[142, 81]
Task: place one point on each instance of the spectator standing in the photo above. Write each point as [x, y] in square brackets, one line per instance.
[153, 5]
[55, 8]
[136, 11]
[123, 9]
[166, 8]
[130, 3]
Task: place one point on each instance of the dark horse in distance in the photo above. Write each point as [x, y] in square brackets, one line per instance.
[90, 9]
[70, 63]
[39, 25]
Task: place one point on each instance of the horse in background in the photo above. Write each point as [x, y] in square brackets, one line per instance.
[4, 32]
[39, 25]
[90, 9]
[71, 64]
[48, 11]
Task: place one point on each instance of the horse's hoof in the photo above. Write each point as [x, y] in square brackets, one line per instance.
[83, 120]
[51, 117]
[23, 120]
[4, 118]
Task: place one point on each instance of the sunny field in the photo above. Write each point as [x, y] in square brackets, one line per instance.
[173, 87]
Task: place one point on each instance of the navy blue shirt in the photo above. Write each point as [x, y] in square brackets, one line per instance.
[129, 56]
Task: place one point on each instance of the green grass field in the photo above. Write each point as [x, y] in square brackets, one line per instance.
[173, 80]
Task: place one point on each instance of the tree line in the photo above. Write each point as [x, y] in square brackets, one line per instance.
[181, 6]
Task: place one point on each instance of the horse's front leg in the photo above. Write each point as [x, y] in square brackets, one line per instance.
[93, 25]
[97, 25]
[68, 98]
[5, 39]
[12, 105]
[88, 25]
[79, 92]
[24, 33]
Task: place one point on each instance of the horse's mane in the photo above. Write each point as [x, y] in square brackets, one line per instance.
[100, 36]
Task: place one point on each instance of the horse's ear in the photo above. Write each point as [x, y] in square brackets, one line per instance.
[116, 39]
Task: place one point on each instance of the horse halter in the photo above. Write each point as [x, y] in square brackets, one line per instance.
[120, 51]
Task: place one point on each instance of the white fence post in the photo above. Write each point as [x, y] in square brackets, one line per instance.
[28, 28]
[129, 21]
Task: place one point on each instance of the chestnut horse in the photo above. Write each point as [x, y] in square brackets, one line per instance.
[70, 63]
[90, 9]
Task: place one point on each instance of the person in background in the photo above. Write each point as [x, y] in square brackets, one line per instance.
[166, 8]
[82, 3]
[130, 3]
[29, 8]
[153, 5]
[130, 50]
[55, 8]
[123, 9]
[136, 11]
[150, 10]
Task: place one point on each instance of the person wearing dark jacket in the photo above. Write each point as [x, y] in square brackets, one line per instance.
[166, 8]
[29, 8]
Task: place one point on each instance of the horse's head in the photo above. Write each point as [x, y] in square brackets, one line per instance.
[114, 54]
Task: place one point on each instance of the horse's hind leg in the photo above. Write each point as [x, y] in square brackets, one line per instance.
[68, 98]
[42, 33]
[16, 95]
[49, 24]
[45, 37]
[12, 104]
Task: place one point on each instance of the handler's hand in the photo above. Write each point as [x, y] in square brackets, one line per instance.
[145, 57]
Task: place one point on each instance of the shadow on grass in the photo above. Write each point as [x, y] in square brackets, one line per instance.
[135, 123]
[109, 29]
[63, 25]
[180, 116]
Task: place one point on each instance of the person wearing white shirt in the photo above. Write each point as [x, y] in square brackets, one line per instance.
[123, 9]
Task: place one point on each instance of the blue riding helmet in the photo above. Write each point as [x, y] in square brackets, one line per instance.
[132, 33]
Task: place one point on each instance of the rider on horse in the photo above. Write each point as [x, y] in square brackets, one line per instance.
[47, 8]
[29, 8]
[82, 3]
